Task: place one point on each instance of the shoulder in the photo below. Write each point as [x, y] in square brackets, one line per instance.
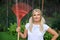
[45, 26]
[27, 25]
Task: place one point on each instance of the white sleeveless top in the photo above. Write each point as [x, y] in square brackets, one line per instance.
[36, 34]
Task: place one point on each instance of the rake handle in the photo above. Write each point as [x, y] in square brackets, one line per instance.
[18, 25]
[18, 36]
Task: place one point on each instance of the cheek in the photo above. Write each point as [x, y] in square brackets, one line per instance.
[38, 17]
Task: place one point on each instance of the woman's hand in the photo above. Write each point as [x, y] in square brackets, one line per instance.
[18, 29]
[23, 35]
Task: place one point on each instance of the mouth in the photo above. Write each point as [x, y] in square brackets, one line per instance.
[36, 18]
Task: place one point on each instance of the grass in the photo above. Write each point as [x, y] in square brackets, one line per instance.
[6, 36]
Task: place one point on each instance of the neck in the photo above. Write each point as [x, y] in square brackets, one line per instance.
[36, 22]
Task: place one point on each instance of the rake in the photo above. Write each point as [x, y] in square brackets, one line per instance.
[20, 10]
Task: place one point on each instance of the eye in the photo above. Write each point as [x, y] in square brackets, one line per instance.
[34, 15]
[38, 14]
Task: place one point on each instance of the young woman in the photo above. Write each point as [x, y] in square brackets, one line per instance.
[36, 28]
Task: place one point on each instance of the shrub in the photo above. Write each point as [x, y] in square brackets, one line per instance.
[47, 36]
[12, 28]
[56, 24]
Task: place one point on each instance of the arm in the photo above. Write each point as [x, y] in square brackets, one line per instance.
[23, 35]
[53, 32]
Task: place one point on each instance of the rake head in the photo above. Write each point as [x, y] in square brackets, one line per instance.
[20, 10]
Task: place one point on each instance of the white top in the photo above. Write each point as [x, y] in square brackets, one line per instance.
[36, 34]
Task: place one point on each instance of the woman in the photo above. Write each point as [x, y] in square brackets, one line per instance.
[36, 28]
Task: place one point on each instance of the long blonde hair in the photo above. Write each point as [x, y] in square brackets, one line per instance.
[42, 20]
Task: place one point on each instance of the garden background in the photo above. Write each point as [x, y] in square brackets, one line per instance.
[8, 22]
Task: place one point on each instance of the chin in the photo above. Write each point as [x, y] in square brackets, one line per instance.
[36, 20]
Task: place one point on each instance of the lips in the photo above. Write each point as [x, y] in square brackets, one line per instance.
[36, 18]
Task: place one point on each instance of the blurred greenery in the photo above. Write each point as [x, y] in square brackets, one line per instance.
[12, 29]
[47, 36]
[6, 36]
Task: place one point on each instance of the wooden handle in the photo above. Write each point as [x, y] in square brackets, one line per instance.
[18, 36]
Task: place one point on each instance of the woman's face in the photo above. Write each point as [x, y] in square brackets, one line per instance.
[36, 16]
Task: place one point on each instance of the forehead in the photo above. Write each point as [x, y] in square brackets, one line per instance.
[36, 12]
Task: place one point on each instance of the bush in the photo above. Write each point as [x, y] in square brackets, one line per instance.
[56, 24]
[47, 36]
[12, 28]
[58, 38]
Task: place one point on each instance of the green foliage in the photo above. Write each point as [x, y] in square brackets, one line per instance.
[3, 17]
[56, 24]
[58, 38]
[47, 36]
[0, 25]
[6, 36]
[12, 28]
[55, 14]
[22, 28]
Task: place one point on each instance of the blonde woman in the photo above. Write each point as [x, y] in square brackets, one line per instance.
[36, 28]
